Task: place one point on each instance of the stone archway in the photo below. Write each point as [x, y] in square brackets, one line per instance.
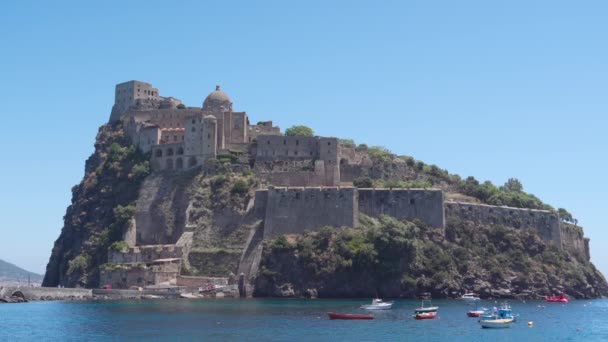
[179, 163]
[169, 164]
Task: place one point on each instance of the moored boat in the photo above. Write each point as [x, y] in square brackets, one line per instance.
[425, 315]
[553, 299]
[333, 315]
[477, 312]
[496, 323]
[469, 297]
[503, 312]
[378, 304]
[426, 306]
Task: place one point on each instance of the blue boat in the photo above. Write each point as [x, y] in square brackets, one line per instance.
[503, 312]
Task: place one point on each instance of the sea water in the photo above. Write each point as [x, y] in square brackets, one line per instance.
[291, 320]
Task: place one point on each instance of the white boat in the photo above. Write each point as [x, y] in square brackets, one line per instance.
[378, 304]
[427, 308]
[497, 323]
[469, 297]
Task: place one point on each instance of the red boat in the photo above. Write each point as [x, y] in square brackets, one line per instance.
[475, 313]
[425, 315]
[333, 315]
[560, 299]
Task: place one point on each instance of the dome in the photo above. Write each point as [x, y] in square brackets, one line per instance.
[217, 100]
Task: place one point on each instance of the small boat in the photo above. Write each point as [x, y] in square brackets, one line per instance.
[553, 299]
[425, 315]
[427, 308]
[496, 323]
[504, 312]
[469, 297]
[378, 304]
[477, 312]
[333, 315]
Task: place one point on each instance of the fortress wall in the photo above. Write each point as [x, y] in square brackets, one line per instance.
[574, 241]
[545, 222]
[170, 157]
[145, 254]
[409, 204]
[274, 147]
[239, 128]
[38, 293]
[295, 210]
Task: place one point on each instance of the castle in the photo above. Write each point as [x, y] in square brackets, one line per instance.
[181, 138]
[306, 185]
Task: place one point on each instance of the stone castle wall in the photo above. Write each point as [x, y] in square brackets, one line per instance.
[422, 204]
[574, 241]
[545, 223]
[295, 210]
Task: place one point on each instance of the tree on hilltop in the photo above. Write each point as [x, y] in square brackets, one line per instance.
[513, 184]
[300, 131]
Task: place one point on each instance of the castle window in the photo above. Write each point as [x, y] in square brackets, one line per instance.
[175, 138]
[193, 121]
[297, 142]
[328, 143]
[284, 142]
[170, 152]
[209, 136]
[268, 142]
[470, 208]
[412, 201]
[159, 153]
[180, 151]
[193, 129]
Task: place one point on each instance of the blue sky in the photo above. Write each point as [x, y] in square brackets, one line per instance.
[516, 89]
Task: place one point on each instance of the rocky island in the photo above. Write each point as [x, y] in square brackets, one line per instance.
[190, 196]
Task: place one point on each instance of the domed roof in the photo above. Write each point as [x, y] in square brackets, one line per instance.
[217, 99]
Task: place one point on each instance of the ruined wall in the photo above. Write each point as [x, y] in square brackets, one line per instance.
[294, 210]
[122, 276]
[574, 241]
[262, 128]
[409, 204]
[545, 222]
[145, 254]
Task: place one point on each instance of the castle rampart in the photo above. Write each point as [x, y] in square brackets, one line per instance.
[544, 222]
[404, 204]
[295, 210]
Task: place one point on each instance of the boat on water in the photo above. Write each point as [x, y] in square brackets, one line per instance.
[469, 297]
[425, 307]
[477, 312]
[503, 312]
[496, 323]
[333, 315]
[378, 304]
[559, 299]
[425, 315]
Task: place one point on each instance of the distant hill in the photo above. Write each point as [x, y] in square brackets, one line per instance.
[11, 274]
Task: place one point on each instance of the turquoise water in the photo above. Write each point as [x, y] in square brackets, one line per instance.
[289, 319]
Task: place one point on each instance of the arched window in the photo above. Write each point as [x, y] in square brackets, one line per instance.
[169, 164]
[180, 151]
[159, 153]
[169, 152]
[179, 164]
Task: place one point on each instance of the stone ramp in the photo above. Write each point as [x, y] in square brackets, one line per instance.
[252, 254]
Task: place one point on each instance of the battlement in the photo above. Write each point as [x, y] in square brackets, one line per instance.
[545, 222]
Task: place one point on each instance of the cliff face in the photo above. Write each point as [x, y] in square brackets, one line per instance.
[101, 210]
[389, 258]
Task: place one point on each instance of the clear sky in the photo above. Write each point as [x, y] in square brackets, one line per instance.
[516, 89]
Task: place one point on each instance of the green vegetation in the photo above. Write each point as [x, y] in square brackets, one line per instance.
[300, 130]
[390, 258]
[240, 187]
[363, 182]
[119, 246]
[181, 106]
[347, 143]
